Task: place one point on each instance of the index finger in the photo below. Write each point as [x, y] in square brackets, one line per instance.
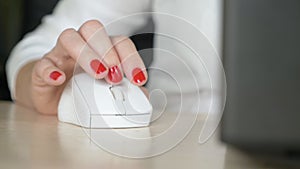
[70, 43]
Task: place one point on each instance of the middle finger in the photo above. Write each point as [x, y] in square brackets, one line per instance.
[94, 34]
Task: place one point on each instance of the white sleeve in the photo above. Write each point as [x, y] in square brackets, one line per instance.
[71, 14]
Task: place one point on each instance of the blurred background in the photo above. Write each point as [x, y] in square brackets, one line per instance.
[17, 17]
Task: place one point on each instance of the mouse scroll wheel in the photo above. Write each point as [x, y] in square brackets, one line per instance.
[117, 93]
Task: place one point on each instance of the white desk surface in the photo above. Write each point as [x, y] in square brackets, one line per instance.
[30, 140]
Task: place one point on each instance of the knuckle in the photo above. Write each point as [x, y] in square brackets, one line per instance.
[66, 35]
[91, 25]
[124, 40]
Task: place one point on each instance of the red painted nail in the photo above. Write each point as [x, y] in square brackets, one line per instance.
[97, 66]
[55, 75]
[138, 75]
[115, 74]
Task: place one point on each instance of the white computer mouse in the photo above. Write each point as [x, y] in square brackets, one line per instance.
[96, 104]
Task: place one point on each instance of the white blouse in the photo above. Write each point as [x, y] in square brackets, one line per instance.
[187, 42]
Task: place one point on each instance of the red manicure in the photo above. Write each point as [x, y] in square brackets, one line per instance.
[114, 74]
[55, 75]
[138, 75]
[97, 66]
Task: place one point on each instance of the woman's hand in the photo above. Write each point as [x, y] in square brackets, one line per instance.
[41, 83]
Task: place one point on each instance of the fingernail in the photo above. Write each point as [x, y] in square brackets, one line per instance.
[97, 66]
[138, 75]
[114, 74]
[55, 75]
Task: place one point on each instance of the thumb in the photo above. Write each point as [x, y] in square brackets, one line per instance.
[46, 73]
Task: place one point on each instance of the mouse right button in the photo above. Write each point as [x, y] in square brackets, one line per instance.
[120, 107]
[138, 101]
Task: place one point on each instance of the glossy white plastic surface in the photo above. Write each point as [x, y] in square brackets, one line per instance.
[96, 104]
